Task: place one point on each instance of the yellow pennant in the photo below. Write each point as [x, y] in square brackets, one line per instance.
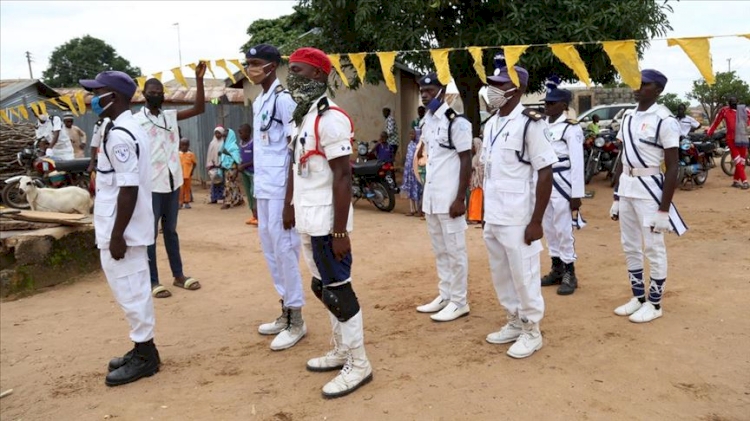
[358, 61]
[141, 82]
[476, 54]
[223, 64]
[14, 112]
[157, 76]
[568, 54]
[386, 63]
[237, 63]
[443, 68]
[81, 102]
[42, 107]
[512, 53]
[624, 58]
[336, 62]
[177, 72]
[746, 36]
[4, 116]
[24, 113]
[699, 52]
[56, 103]
[208, 67]
[35, 107]
[69, 103]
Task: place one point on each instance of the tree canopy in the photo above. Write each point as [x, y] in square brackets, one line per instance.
[83, 58]
[287, 33]
[712, 98]
[671, 101]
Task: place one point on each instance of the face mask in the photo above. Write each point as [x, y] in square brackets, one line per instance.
[155, 100]
[96, 106]
[435, 103]
[257, 74]
[303, 89]
[496, 97]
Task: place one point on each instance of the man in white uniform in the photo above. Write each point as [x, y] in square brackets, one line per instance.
[50, 128]
[448, 139]
[517, 183]
[318, 201]
[272, 113]
[123, 221]
[567, 180]
[687, 123]
[643, 195]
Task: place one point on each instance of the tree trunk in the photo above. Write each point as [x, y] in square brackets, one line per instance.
[468, 88]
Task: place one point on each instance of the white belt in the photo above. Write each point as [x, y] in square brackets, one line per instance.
[641, 172]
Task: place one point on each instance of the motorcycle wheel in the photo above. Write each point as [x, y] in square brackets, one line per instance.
[12, 197]
[727, 164]
[385, 200]
[590, 169]
[700, 179]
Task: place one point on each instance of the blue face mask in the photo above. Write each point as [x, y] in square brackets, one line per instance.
[96, 106]
[435, 103]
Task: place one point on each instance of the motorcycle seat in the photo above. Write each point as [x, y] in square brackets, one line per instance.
[73, 165]
[366, 168]
[704, 147]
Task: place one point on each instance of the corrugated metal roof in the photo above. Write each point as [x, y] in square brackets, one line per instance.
[176, 96]
[9, 87]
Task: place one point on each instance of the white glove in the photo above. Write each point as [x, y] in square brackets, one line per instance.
[660, 222]
[614, 211]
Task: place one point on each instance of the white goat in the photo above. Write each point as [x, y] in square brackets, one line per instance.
[65, 200]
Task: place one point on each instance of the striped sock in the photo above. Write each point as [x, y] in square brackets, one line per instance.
[655, 291]
[636, 283]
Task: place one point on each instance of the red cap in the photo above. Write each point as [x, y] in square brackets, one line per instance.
[313, 57]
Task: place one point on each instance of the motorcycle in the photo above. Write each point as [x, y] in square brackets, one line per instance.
[603, 155]
[52, 173]
[373, 180]
[728, 164]
[695, 161]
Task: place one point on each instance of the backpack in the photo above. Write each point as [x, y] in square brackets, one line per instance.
[110, 127]
[323, 106]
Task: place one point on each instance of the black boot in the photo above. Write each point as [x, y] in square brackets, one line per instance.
[569, 280]
[143, 362]
[118, 362]
[554, 277]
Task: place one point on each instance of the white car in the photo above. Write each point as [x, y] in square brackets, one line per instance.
[609, 115]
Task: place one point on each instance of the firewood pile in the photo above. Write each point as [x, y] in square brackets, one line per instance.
[14, 139]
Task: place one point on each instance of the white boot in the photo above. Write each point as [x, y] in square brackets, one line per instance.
[357, 370]
[295, 331]
[508, 333]
[276, 326]
[335, 358]
[528, 342]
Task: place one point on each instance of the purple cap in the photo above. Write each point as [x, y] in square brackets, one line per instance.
[653, 76]
[501, 75]
[117, 81]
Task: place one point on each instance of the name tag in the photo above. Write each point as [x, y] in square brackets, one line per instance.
[264, 139]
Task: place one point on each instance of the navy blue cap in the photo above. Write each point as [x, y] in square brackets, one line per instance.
[430, 79]
[558, 95]
[653, 76]
[113, 79]
[501, 75]
[264, 52]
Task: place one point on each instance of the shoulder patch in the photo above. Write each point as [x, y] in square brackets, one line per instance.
[571, 121]
[532, 114]
[323, 105]
[122, 152]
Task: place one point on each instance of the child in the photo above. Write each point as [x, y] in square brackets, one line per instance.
[188, 162]
[383, 151]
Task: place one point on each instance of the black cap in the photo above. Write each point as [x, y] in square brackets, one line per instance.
[430, 79]
[264, 52]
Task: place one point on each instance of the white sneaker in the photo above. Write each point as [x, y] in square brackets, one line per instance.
[646, 313]
[628, 308]
[450, 312]
[528, 342]
[436, 305]
[356, 372]
[296, 330]
[507, 334]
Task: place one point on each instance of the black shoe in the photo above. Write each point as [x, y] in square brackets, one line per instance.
[554, 277]
[569, 281]
[143, 362]
[118, 362]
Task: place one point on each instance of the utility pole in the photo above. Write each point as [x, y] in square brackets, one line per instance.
[28, 59]
[729, 65]
[179, 43]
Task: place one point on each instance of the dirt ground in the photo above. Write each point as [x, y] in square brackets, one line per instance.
[692, 364]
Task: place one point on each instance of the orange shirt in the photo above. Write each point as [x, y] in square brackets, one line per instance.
[188, 162]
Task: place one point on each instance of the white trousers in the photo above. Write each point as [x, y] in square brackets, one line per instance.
[131, 286]
[281, 250]
[634, 233]
[515, 271]
[448, 236]
[558, 228]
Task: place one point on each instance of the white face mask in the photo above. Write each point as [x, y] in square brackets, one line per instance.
[496, 97]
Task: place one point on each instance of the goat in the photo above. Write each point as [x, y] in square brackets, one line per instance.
[65, 200]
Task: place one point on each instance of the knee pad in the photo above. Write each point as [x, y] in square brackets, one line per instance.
[316, 285]
[341, 301]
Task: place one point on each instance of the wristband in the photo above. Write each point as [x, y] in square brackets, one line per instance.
[340, 234]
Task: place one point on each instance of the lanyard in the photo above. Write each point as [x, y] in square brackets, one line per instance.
[494, 138]
[155, 123]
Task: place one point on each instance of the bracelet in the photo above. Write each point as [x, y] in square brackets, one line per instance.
[340, 234]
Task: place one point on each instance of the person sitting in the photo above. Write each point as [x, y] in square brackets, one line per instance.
[383, 150]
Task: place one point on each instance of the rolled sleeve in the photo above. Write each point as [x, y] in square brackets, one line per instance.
[335, 132]
[538, 141]
[461, 135]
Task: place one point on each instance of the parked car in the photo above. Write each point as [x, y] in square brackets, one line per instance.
[609, 115]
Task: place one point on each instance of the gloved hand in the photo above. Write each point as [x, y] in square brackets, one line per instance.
[614, 211]
[660, 222]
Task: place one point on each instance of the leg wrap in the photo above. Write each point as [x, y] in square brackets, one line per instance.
[317, 288]
[341, 301]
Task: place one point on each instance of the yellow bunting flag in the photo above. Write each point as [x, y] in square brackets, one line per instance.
[67, 101]
[5, 118]
[157, 76]
[237, 63]
[336, 62]
[81, 102]
[42, 108]
[55, 102]
[624, 58]
[223, 64]
[358, 61]
[386, 63]
[14, 112]
[177, 72]
[24, 113]
[208, 66]
[746, 36]
[141, 82]
[512, 53]
[568, 54]
[699, 52]
[443, 68]
[35, 108]
[476, 54]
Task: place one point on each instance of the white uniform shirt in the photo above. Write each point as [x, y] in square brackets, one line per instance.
[63, 148]
[509, 184]
[313, 186]
[643, 149]
[130, 169]
[443, 165]
[270, 147]
[569, 153]
[164, 140]
[687, 123]
[96, 136]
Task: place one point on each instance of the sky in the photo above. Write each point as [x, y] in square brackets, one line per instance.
[216, 30]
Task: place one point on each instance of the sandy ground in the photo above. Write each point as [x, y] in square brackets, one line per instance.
[692, 364]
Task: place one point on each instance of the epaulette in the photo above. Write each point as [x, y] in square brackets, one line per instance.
[571, 121]
[279, 89]
[323, 105]
[451, 114]
[532, 114]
